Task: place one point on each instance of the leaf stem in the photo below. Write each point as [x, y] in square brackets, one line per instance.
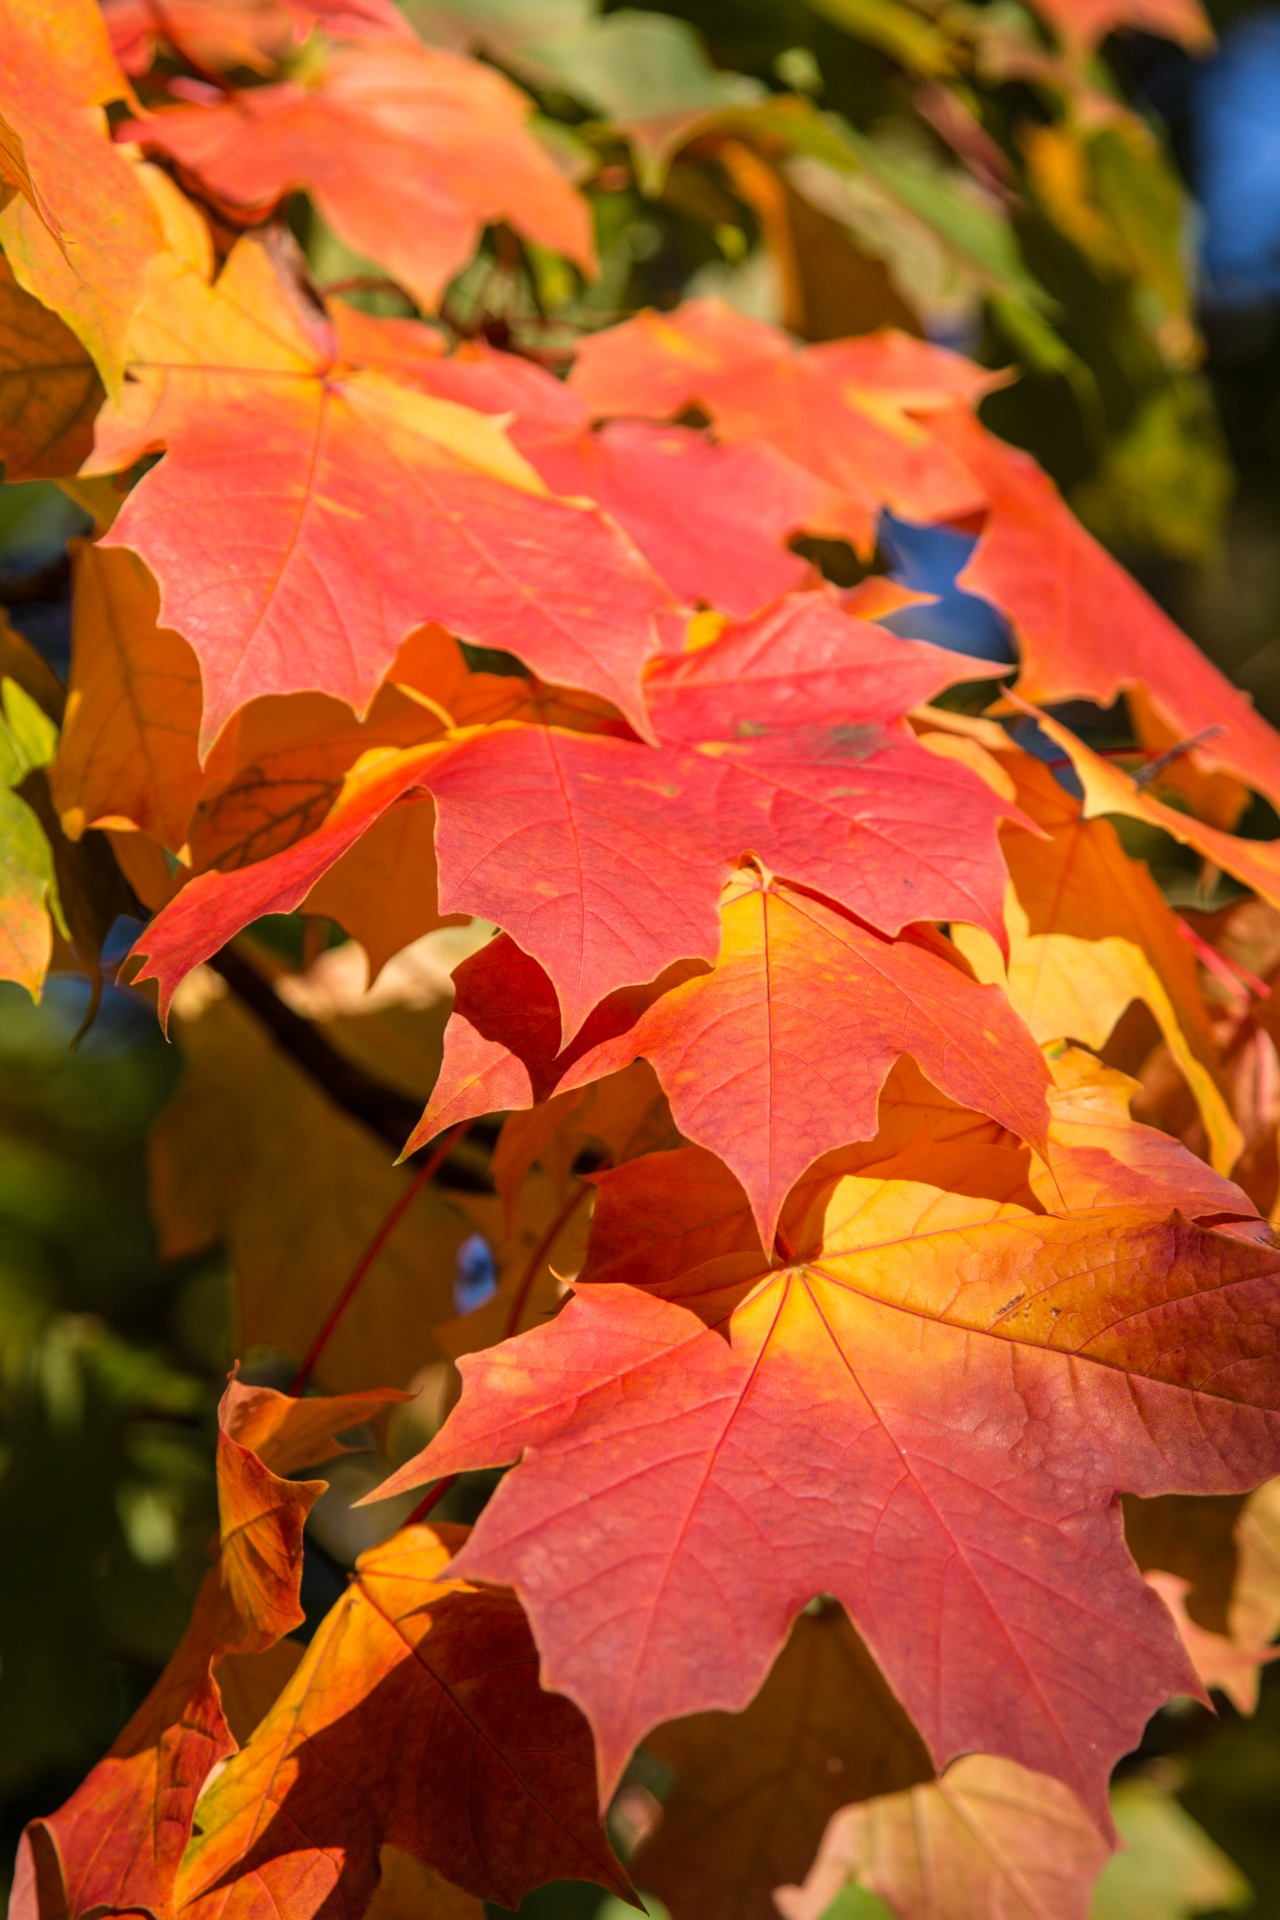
[538, 1255]
[403, 1201]
[430, 1499]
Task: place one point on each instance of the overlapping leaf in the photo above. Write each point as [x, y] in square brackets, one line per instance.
[754, 1791]
[267, 582]
[1108, 789]
[988, 1838]
[1085, 628]
[414, 1720]
[984, 1372]
[874, 1303]
[81, 229]
[127, 756]
[713, 519]
[782, 739]
[801, 999]
[1089, 933]
[214, 906]
[120, 1838]
[49, 389]
[450, 132]
[845, 412]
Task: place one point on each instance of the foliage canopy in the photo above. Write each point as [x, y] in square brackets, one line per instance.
[491, 425]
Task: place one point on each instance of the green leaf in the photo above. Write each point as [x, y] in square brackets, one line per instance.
[28, 892]
[30, 737]
[895, 29]
[972, 226]
[1170, 1869]
[855, 1903]
[649, 74]
[1166, 482]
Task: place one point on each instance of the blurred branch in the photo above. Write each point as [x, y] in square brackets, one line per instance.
[386, 1111]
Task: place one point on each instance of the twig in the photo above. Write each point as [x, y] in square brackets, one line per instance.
[537, 1257]
[1154, 768]
[1156, 765]
[383, 1109]
[1231, 973]
[386, 1111]
[395, 1213]
[429, 1500]
[364, 283]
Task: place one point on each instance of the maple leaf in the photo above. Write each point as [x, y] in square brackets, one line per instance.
[1089, 933]
[1082, 24]
[223, 34]
[383, 891]
[783, 739]
[415, 1719]
[408, 1891]
[713, 520]
[801, 997]
[271, 596]
[1107, 789]
[279, 767]
[450, 132]
[1219, 1660]
[214, 906]
[49, 389]
[118, 1841]
[844, 411]
[81, 230]
[1085, 628]
[307, 783]
[1090, 1108]
[985, 1373]
[754, 1791]
[127, 755]
[661, 1216]
[631, 843]
[624, 1115]
[989, 1837]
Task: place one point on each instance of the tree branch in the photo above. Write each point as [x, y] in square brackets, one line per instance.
[386, 1111]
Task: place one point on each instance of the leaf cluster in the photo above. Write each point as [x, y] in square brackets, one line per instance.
[829, 1257]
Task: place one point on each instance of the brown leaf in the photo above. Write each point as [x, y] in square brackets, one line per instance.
[49, 389]
[755, 1790]
[127, 757]
[415, 1720]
